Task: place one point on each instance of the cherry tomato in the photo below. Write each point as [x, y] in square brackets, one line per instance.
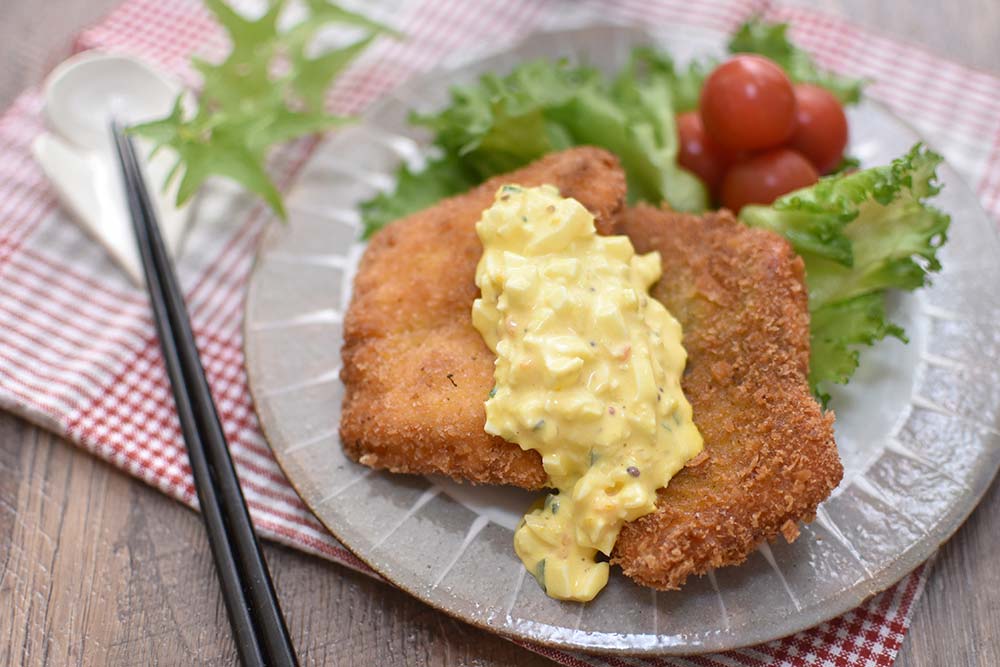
[765, 177]
[748, 103]
[698, 153]
[821, 130]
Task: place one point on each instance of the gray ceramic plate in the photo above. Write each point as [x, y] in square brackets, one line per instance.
[917, 428]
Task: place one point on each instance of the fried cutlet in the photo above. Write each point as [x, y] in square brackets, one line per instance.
[769, 456]
[415, 369]
[417, 372]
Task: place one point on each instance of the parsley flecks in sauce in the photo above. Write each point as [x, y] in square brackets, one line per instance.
[568, 315]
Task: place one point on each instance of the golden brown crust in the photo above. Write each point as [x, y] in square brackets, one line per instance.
[770, 458]
[416, 370]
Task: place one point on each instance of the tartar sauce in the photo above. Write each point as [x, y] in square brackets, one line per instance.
[588, 373]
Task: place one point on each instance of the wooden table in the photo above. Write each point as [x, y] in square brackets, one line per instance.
[96, 568]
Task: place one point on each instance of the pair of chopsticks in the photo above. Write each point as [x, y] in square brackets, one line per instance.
[258, 625]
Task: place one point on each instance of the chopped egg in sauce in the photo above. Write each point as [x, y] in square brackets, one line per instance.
[588, 373]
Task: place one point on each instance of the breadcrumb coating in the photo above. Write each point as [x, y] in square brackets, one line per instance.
[417, 373]
[769, 455]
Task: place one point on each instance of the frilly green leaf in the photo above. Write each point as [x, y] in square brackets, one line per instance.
[266, 91]
[501, 123]
[860, 234]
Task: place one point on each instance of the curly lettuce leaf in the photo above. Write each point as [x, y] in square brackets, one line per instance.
[813, 220]
[771, 40]
[646, 92]
[416, 190]
[895, 236]
[684, 84]
[847, 164]
[501, 123]
[859, 234]
[838, 330]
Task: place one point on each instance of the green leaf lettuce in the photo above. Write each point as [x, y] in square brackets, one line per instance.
[501, 123]
[859, 235]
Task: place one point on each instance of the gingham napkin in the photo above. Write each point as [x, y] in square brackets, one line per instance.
[77, 349]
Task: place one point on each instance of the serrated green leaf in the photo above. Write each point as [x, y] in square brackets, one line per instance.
[226, 155]
[645, 92]
[895, 235]
[248, 104]
[684, 85]
[501, 123]
[847, 164]
[837, 331]
[327, 12]
[312, 76]
[812, 220]
[247, 35]
[892, 235]
[416, 190]
[292, 124]
[164, 130]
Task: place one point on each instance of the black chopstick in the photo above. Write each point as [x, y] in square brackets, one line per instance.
[258, 624]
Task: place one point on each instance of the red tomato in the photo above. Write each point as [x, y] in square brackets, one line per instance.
[698, 153]
[821, 131]
[748, 103]
[765, 177]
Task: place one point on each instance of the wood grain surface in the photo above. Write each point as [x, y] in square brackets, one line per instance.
[98, 569]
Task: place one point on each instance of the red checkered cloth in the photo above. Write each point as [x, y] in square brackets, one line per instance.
[78, 354]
